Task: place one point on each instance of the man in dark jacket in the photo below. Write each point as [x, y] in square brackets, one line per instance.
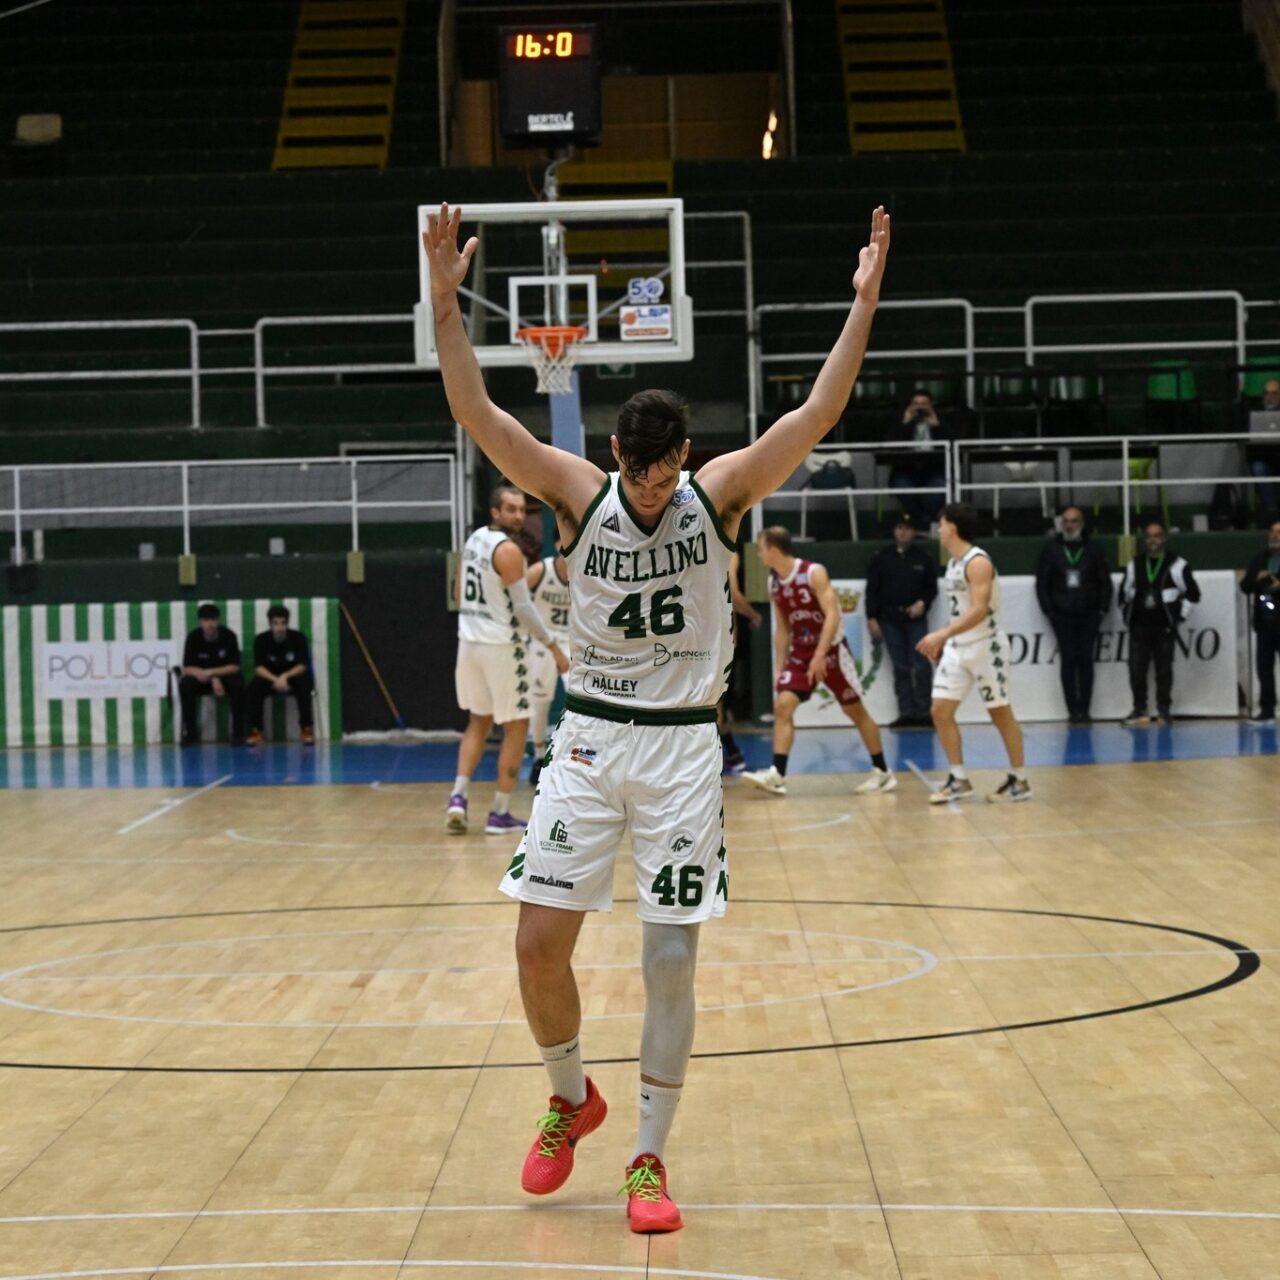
[281, 664]
[1261, 582]
[1073, 585]
[902, 581]
[211, 665]
[1154, 594]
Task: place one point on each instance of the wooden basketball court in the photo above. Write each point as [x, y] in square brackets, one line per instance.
[277, 1029]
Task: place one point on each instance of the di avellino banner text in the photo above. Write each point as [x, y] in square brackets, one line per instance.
[1206, 673]
[99, 674]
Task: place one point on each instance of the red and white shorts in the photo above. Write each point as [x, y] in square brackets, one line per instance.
[841, 676]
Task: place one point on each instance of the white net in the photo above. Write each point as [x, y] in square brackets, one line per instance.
[553, 351]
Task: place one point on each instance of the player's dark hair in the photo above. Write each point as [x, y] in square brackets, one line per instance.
[277, 611]
[652, 426]
[964, 517]
[208, 611]
[1153, 522]
[495, 497]
[778, 537]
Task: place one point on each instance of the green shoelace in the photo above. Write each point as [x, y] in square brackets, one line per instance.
[555, 1129]
[643, 1183]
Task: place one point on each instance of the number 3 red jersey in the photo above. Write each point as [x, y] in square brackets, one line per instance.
[798, 606]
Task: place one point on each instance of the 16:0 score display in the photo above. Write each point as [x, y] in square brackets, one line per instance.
[557, 44]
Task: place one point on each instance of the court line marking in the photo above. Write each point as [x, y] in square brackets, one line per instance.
[734, 1206]
[1199, 953]
[167, 806]
[928, 958]
[931, 787]
[468, 1263]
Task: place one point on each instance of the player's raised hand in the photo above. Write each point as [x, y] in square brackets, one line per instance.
[440, 240]
[871, 259]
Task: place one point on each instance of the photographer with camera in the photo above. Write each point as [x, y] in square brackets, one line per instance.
[924, 468]
[1262, 581]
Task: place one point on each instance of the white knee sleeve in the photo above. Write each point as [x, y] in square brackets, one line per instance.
[669, 959]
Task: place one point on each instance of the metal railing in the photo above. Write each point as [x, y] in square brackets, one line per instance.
[196, 371]
[223, 492]
[882, 457]
[191, 372]
[1062, 452]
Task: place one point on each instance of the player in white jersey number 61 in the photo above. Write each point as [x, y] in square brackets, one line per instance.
[648, 547]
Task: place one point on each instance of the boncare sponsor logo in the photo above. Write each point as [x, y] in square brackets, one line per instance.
[108, 668]
[592, 657]
[662, 655]
[550, 881]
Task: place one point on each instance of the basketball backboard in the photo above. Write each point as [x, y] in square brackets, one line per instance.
[615, 267]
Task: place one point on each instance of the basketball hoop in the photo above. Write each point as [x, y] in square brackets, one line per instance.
[553, 350]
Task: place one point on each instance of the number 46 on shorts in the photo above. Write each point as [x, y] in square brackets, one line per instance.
[668, 887]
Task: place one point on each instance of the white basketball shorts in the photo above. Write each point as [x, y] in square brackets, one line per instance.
[659, 781]
[985, 664]
[492, 680]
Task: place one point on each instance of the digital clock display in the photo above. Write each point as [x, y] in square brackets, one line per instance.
[533, 45]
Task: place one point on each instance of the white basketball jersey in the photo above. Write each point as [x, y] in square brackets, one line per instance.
[551, 599]
[651, 626]
[961, 600]
[485, 615]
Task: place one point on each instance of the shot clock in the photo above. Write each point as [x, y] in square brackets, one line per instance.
[549, 85]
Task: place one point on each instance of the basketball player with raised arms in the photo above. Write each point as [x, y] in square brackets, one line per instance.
[809, 650]
[648, 547]
[971, 649]
[548, 582]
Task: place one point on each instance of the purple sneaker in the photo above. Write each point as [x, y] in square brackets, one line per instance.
[498, 824]
[455, 816]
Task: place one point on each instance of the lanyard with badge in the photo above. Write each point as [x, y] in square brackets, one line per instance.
[1073, 571]
[1149, 600]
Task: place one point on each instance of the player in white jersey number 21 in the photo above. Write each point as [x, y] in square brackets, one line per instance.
[971, 649]
[648, 548]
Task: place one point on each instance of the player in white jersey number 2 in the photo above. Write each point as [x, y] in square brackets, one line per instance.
[648, 548]
[971, 649]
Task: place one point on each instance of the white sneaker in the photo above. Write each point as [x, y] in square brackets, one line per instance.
[953, 789]
[878, 780]
[769, 780]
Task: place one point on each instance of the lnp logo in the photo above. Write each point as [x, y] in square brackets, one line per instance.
[681, 841]
[582, 755]
[682, 497]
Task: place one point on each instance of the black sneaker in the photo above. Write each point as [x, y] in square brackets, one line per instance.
[1136, 718]
[1010, 791]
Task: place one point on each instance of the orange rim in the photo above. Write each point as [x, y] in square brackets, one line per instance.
[552, 338]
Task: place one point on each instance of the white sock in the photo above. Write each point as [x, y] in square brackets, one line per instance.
[501, 801]
[959, 772]
[564, 1066]
[657, 1111]
[460, 785]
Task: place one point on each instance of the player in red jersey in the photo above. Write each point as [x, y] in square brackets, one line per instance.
[810, 650]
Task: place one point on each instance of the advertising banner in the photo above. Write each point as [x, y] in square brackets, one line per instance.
[1206, 673]
[99, 674]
